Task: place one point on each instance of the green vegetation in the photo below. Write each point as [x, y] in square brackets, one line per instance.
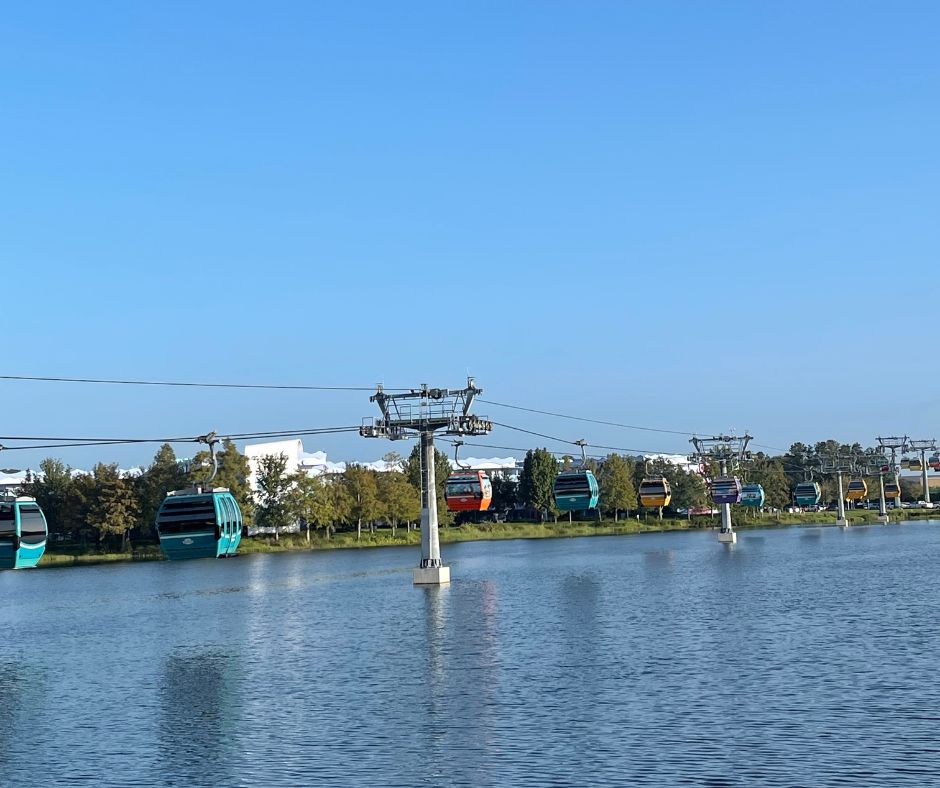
[103, 512]
[537, 480]
[389, 537]
[103, 516]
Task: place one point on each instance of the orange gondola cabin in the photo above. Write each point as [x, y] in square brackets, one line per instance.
[468, 491]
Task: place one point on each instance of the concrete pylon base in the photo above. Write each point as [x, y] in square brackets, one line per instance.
[884, 519]
[431, 576]
[842, 523]
[727, 537]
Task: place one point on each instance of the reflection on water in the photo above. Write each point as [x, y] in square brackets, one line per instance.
[22, 695]
[435, 600]
[198, 716]
[799, 658]
[657, 560]
[12, 686]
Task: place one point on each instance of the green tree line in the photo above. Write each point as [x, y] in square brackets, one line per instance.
[105, 508]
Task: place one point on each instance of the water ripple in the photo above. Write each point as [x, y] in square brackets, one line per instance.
[800, 658]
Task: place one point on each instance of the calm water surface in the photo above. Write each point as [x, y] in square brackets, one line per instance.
[800, 657]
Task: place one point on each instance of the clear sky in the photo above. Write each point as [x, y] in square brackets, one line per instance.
[698, 216]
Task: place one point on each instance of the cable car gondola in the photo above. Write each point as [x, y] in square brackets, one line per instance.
[905, 463]
[576, 490]
[934, 462]
[857, 490]
[726, 489]
[23, 532]
[468, 491]
[655, 492]
[915, 465]
[892, 490]
[200, 522]
[807, 493]
[752, 495]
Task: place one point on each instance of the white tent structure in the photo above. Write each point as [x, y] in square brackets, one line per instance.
[316, 463]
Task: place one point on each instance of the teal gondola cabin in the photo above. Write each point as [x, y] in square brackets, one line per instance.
[199, 524]
[23, 533]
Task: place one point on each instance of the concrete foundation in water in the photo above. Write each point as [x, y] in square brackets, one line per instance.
[431, 575]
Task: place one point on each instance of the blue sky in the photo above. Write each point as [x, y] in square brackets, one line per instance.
[699, 216]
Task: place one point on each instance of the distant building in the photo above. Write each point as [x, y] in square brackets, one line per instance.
[317, 464]
[10, 483]
[254, 452]
[679, 460]
[311, 463]
[505, 467]
[933, 481]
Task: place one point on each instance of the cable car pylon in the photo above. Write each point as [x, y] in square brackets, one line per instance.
[893, 443]
[729, 452]
[878, 465]
[923, 446]
[837, 466]
[422, 412]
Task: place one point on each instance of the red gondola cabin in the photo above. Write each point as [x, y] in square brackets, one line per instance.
[468, 491]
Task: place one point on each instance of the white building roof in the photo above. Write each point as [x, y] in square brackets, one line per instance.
[317, 463]
[487, 463]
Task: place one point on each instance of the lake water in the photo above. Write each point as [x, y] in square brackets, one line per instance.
[799, 657]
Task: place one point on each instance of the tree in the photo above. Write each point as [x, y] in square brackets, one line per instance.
[274, 484]
[615, 478]
[688, 489]
[769, 473]
[112, 506]
[442, 469]
[537, 481]
[341, 504]
[399, 499]
[361, 486]
[911, 488]
[57, 495]
[310, 500]
[152, 486]
[233, 472]
[505, 493]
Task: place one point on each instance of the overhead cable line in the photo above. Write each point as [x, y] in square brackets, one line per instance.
[613, 423]
[232, 435]
[591, 421]
[62, 443]
[575, 443]
[515, 448]
[189, 384]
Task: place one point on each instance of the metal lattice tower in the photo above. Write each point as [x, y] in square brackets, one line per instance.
[923, 446]
[420, 413]
[729, 451]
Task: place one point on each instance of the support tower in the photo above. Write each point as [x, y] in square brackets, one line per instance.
[728, 452]
[878, 465]
[422, 412]
[895, 443]
[838, 466]
[923, 446]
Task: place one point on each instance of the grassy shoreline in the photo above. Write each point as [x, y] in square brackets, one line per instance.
[63, 557]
